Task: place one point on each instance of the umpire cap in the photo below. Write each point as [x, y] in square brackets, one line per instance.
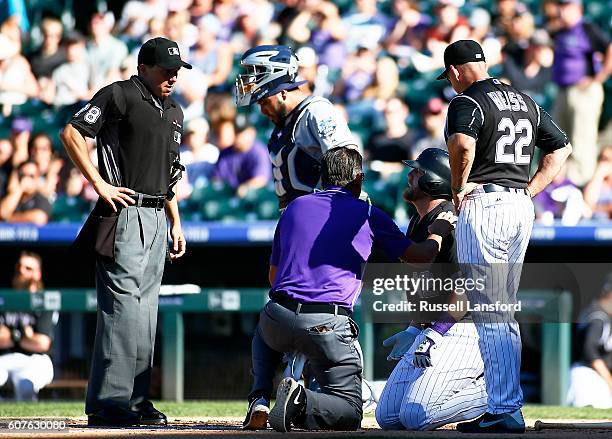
[436, 181]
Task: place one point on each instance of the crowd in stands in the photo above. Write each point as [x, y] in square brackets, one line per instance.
[376, 60]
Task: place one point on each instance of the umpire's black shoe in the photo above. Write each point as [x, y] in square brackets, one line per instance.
[290, 405]
[489, 423]
[113, 417]
[149, 415]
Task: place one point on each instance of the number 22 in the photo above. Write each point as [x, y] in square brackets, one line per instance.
[510, 130]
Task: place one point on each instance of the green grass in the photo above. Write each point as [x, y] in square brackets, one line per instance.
[237, 408]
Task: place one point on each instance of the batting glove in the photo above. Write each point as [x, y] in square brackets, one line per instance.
[422, 354]
[401, 342]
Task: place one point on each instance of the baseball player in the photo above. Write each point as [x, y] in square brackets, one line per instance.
[306, 126]
[26, 337]
[591, 375]
[419, 396]
[492, 130]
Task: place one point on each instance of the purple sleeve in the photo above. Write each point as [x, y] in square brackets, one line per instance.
[387, 235]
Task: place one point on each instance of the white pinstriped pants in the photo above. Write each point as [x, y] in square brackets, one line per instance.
[451, 390]
[492, 234]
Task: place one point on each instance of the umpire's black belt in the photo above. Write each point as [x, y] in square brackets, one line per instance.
[491, 187]
[308, 308]
[144, 200]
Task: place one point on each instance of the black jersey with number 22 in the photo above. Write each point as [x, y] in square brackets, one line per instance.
[507, 125]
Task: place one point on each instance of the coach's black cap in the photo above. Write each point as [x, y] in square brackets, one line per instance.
[161, 52]
[461, 52]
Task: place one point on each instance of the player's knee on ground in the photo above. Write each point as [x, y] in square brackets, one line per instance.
[414, 416]
[386, 419]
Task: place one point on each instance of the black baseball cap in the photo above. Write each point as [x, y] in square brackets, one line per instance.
[461, 52]
[161, 52]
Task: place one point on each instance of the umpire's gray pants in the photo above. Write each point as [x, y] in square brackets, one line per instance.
[128, 291]
[333, 360]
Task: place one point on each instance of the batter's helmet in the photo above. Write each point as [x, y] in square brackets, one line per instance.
[436, 181]
[269, 69]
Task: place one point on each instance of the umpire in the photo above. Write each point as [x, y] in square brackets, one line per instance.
[138, 129]
[320, 245]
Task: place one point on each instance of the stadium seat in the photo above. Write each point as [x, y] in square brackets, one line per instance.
[69, 209]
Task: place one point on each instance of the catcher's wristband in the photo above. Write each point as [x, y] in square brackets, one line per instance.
[458, 189]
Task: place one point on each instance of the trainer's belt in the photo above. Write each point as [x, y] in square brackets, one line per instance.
[308, 308]
[491, 187]
[144, 200]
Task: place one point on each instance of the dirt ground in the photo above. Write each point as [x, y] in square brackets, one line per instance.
[181, 428]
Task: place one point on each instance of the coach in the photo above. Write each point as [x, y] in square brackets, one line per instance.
[138, 129]
[320, 245]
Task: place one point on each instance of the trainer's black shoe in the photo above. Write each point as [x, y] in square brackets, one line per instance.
[149, 415]
[113, 417]
[290, 405]
[489, 423]
[257, 414]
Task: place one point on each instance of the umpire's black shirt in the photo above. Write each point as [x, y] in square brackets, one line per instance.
[138, 135]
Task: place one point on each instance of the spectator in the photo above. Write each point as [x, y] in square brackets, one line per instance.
[320, 25]
[408, 32]
[17, 83]
[480, 30]
[521, 29]
[71, 80]
[212, 56]
[590, 377]
[245, 165]
[23, 202]
[358, 73]
[535, 73]
[137, 14]
[580, 76]
[104, 52]
[21, 132]
[6, 151]
[366, 26]
[221, 112]
[505, 12]
[179, 29]
[451, 26]
[598, 192]
[434, 117]
[395, 143]
[26, 337]
[246, 33]
[51, 54]
[386, 80]
[198, 156]
[195, 147]
[561, 200]
[41, 152]
[310, 70]
[199, 9]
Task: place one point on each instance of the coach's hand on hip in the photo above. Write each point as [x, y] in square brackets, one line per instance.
[443, 224]
[459, 196]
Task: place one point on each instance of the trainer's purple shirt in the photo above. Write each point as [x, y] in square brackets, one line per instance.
[322, 241]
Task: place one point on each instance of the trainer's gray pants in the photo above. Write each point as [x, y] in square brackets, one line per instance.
[127, 291]
[333, 360]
